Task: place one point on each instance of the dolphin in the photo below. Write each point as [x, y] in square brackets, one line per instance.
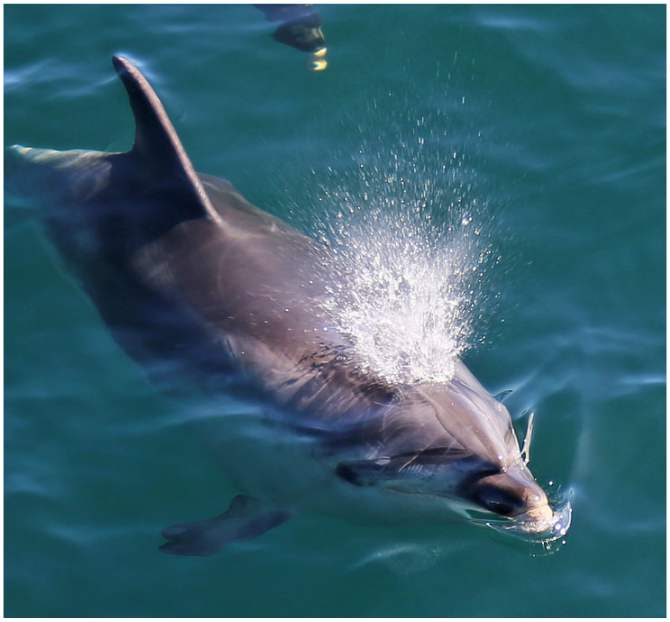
[195, 282]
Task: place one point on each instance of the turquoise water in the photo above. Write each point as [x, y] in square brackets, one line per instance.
[550, 119]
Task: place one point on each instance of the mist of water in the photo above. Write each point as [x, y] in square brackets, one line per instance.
[410, 255]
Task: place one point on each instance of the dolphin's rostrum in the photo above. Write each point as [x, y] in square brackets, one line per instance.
[194, 281]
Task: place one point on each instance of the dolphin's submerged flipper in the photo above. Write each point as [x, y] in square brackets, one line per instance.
[245, 518]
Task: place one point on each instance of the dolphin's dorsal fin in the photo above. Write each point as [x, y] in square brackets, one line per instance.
[156, 141]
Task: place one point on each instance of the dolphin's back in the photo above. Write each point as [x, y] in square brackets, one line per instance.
[153, 185]
[183, 268]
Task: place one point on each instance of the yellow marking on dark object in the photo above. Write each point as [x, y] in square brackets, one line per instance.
[319, 64]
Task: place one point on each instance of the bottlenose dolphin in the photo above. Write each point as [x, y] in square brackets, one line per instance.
[194, 281]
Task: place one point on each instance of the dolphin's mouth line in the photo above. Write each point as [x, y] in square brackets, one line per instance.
[543, 529]
[451, 503]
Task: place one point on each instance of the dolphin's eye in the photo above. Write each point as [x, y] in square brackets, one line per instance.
[498, 500]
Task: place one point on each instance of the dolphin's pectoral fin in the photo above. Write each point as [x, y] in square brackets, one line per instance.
[245, 518]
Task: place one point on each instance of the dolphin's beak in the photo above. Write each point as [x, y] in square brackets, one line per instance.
[537, 519]
[514, 494]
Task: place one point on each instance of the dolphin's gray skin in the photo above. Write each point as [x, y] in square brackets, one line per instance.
[192, 278]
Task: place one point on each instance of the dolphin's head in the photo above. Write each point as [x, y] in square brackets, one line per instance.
[454, 446]
[486, 492]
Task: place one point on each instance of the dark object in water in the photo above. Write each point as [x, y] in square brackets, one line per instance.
[300, 25]
[244, 519]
